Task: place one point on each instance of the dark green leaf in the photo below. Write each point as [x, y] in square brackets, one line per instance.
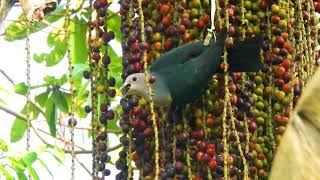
[42, 98]
[19, 126]
[51, 115]
[114, 24]
[17, 30]
[5, 173]
[61, 101]
[78, 41]
[21, 88]
[3, 146]
[45, 166]
[57, 41]
[115, 67]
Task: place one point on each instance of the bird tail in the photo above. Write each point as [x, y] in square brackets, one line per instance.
[245, 56]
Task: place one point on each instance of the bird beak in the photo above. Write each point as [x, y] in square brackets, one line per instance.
[125, 88]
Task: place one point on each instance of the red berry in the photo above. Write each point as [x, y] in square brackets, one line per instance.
[277, 118]
[168, 44]
[200, 24]
[135, 47]
[286, 88]
[279, 40]
[276, 19]
[210, 151]
[166, 20]
[136, 111]
[199, 156]
[164, 9]
[213, 164]
[286, 63]
[137, 66]
[280, 70]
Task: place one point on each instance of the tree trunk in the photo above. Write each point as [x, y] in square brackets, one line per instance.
[34, 10]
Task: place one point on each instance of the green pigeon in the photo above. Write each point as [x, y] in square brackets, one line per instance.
[181, 75]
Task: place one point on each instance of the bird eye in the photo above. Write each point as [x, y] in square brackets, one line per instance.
[134, 78]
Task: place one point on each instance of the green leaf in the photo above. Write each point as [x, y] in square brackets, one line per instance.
[114, 24]
[51, 115]
[62, 80]
[57, 41]
[77, 73]
[42, 98]
[59, 151]
[33, 173]
[21, 88]
[6, 173]
[115, 67]
[3, 146]
[78, 41]
[20, 174]
[61, 101]
[17, 164]
[18, 30]
[19, 126]
[45, 166]
[29, 158]
[54, 81]
[18, 130]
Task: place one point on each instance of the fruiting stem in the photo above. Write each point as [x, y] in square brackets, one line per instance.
[28, 115]
[70, 68]
[244, 161]
[204, 116]
[152, 108]
[186, 130]
[93, 87]
[130, 170]
[224, 117]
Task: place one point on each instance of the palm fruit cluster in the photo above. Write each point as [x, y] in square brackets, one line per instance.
[234, 129]
[102, 86]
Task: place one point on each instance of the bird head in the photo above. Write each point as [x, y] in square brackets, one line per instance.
[135, 84]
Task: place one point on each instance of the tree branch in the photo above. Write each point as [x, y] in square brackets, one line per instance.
[12, 82]
[83, 166]
[7, 76]
[5, 6]
[9, 111]
[36, 10]
[90, 151]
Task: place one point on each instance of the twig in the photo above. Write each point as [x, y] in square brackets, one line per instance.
[89, 129]
[60, 139]
[7, 76]
[9, 111]
[83, 166]
[90, 151]
[12, 82]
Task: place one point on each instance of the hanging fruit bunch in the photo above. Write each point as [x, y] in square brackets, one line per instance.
[234, 129]
[102, 86]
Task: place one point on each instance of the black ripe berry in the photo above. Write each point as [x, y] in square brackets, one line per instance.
[72, 122]
[87, 109]
[104, 157]
[86, 74]
[106, 172]
[112, 82]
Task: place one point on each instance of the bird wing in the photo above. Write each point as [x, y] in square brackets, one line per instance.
[178, 55]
